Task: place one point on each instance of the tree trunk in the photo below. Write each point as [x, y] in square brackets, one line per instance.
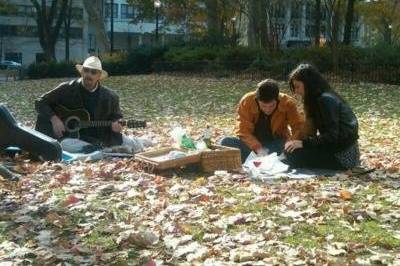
[49, 20]
[336, 22]
[336, 16]
[49, 52]
[387, 32]
[263, 24]
[317, 29]
[349, 22]
[67, 26]
[252, 28]
[94, 9]
[213, 26]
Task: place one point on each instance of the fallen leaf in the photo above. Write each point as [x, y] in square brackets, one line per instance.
[345, 195]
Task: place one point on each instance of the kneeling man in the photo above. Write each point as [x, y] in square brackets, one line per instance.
[266, 119]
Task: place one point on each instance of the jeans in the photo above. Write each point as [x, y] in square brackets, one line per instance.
[276, 145]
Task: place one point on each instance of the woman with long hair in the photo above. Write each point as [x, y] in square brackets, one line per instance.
[331, 127]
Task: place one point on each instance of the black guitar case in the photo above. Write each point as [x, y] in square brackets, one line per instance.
[27, 139]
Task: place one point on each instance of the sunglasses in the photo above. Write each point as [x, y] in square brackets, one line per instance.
[90, 70]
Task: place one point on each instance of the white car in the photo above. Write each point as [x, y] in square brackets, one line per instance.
[8, 64]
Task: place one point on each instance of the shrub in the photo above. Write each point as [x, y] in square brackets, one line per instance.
[378, 63]
[51, 70]
[186, 54]
[115, 63]
[143, 59]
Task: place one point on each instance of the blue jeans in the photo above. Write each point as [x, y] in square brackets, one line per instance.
[276, 145]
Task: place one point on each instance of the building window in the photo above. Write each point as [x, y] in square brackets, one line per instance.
[310, 12]
[26, 11]
[279, 29]
[16, 57]
[26, 31]
[92, 41]
[279, 10]
[74, 33]
[310, 30]
[77, 13]
[355, 31]
[108, 10]
[40, 57]
[296, 10]
[294, 29]
[127, 11]
[22, 31]
[19, 10]
[324, 14]
[323, 31]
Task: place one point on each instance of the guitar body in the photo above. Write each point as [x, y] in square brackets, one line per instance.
[72, 120]
[32, 141]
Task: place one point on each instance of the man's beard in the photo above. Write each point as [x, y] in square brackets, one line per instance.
[89, 83]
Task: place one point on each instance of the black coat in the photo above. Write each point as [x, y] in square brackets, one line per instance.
[336, 123]
[68, 95]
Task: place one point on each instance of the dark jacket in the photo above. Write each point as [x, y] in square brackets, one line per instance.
[336, 123]
[68, 95]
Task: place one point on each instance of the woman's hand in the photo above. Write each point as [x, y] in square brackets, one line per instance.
[292, 145]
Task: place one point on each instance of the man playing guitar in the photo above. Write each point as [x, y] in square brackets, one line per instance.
[88, 94]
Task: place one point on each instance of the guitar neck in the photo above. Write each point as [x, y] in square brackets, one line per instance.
[86, 124]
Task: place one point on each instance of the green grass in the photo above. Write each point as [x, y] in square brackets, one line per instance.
[119, 215]
[236, 193]
[374, 190]
[370, 233]
[3, 231]
[100, 240]
[97, 238]
[196, 231]
[60, 194]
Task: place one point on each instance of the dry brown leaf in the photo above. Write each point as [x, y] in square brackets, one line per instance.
[345, 195]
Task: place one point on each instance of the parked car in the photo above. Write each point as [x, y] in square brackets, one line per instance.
[8, 64]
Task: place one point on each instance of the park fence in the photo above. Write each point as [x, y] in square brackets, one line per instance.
[353, 72]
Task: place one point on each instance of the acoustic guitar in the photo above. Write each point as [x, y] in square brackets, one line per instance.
[77, 119]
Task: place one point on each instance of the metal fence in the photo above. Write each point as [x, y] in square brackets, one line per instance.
[344, 71]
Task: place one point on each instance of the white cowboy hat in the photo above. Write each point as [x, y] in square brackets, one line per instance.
[92, 62]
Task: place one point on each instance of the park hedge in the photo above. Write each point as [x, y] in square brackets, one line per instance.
[357, 62]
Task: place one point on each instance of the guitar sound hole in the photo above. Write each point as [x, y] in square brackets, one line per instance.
[72, 124]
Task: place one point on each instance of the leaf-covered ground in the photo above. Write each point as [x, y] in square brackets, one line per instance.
[112, 212]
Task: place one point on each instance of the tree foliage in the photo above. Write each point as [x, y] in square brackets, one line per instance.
[6, 7]
[383, 18]
[209, 20]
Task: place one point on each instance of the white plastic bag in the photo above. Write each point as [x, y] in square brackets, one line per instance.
[176, 134]
[261, 167]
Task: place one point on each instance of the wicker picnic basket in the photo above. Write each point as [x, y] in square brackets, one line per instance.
[220, 158]
[149, 160]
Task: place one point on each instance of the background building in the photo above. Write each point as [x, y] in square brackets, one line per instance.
[18, 34]
[292, 21]
[19, 41]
